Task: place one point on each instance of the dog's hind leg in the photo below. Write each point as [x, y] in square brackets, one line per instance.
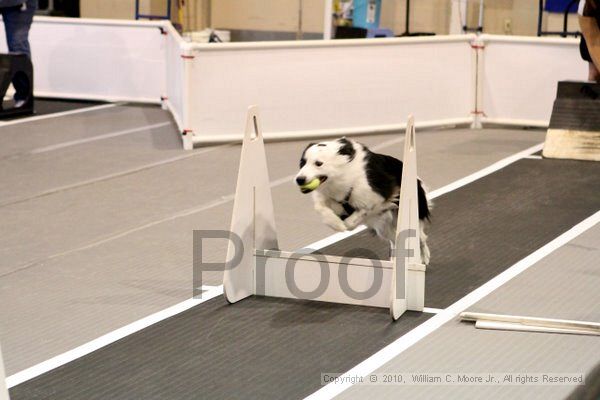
[383, 224]
[425, 254]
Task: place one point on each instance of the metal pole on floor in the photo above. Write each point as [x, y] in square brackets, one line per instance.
[299, 31]
[407, 19]
[407, 31]
[457, 16]
[480, 23]
[328, 20]
[540, 17]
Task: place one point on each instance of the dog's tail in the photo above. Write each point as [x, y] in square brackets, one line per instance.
[424, 206]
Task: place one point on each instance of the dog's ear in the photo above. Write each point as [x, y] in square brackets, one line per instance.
[307, 147]
[347, 149]
[303, 158]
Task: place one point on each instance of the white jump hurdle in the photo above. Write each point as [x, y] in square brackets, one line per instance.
[3, 389]
[262, 269]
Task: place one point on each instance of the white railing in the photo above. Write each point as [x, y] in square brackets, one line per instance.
[519, 75]
[97, 59]
[305, 88]
[324, 88]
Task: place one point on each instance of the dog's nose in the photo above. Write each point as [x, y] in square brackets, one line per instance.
[300, 180]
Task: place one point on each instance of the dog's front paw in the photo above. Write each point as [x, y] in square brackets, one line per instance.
[341, 227]
[354, 220]
[338, 225]
[351, 223]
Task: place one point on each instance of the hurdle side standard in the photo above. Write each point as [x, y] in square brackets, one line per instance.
[3, 389]
[258, 267]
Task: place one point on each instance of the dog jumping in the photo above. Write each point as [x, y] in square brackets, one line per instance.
[352, 185]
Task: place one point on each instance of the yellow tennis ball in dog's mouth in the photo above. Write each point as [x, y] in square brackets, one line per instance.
[310, 186]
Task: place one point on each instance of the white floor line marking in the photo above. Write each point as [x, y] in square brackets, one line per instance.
[209, 287]
[431, 310]
[532, 157]
[59, 114]
[336, 237]
[486, 171]
[98, 137]
[392, 350]
[329, 240]
[144, 167]
[48, 365]
[190, 211]
[109, 338]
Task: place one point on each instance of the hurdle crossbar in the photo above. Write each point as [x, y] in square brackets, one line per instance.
[262, 269]
[531, 324]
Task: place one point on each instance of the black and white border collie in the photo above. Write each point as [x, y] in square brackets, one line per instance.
[358, 186]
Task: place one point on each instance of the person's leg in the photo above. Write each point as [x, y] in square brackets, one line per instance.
[594, 74]
[17, 22]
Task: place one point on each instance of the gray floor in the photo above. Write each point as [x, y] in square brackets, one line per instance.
[99, 234]
[275, 348]
[45, 106]
[480, 230]
[260, 348]
[562, 285]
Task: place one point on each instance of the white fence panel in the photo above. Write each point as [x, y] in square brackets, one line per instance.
[520, 75]
[97, 59]
[305, 88]
[175, 77]
[313, 88]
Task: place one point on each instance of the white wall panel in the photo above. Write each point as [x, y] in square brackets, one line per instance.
[317, 87]
[520, 75]
[175, 76]
[97, 59]
[304, 88]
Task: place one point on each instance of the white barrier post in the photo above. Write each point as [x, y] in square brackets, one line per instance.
[478, 46]
[253, 219]
[188, 132]
[408, 276]
[3, 389]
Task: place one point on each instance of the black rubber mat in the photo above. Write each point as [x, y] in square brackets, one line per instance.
[591, 389]
[276, 349]
[578, 90]
[577, 107]
[484, 228]
[259, 348]
[50, 106]
[45, 106]
[575, 114]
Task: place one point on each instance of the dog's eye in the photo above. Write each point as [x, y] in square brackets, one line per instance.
[318, 163]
